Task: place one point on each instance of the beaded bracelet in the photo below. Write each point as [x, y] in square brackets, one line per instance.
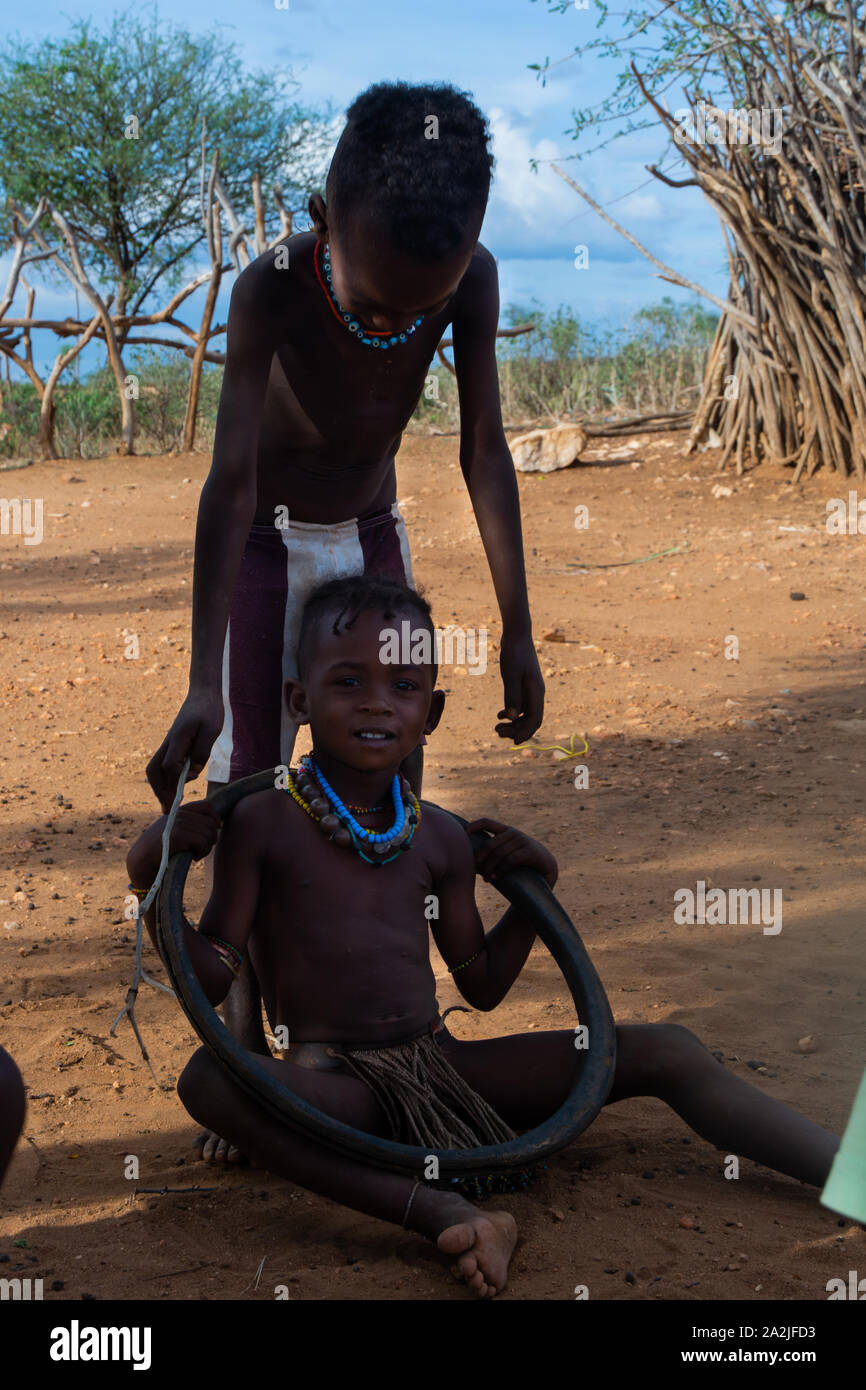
[228, 954]
[140, 893]
[227, 960]
[452, 969]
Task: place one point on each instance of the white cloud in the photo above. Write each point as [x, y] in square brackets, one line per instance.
[528, 212]
[640, 207]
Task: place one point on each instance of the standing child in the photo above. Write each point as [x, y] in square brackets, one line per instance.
[330, 336]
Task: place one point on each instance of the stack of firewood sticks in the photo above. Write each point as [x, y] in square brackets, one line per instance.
[786, 374]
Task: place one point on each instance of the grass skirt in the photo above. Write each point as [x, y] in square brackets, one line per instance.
[428, 1103]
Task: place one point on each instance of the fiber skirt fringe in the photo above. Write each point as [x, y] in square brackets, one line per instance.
[425, 1100]
[428, 1103]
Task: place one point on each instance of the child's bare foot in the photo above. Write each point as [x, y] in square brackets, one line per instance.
[209, 1147]
[485, 1244]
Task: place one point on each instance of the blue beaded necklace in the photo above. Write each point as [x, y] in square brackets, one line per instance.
[365, 336]
[340, 825]
[372, 837]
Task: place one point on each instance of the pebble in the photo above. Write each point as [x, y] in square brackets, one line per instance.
[807, 1044]
[629, 1277]
[797, 596]
[648, 1174]
[687, 1223]
[556, 1214]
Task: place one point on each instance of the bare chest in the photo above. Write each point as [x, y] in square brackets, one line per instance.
[340, 395]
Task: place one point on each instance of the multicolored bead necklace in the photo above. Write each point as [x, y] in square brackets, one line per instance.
[364, 335]
[309, 787]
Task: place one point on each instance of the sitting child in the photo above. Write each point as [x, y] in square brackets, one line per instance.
[343, 956]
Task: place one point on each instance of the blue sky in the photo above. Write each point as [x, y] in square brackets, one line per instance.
[337, 47]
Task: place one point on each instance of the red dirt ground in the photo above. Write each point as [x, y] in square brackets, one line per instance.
[739, 772]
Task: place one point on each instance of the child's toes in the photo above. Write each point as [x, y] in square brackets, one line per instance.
[456, 1238]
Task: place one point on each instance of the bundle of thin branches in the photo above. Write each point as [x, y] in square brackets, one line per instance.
[786, 375]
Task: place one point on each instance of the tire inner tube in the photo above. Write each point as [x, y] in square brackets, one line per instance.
[526, 890]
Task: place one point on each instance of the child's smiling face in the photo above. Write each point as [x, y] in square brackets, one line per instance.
[364, 712]
[387, 289]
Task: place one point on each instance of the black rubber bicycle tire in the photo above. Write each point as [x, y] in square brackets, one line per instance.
[522, 887]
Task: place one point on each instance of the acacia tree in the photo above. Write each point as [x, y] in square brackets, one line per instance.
[776, 140]
[107, 128]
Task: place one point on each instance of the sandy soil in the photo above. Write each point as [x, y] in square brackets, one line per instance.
[739, 772]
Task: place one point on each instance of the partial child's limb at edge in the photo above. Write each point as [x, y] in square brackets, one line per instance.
[488, 469]
[13, 1106]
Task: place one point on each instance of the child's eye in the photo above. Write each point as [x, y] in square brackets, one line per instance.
[348, 680]
[405, 684]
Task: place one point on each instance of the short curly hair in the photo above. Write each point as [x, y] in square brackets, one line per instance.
[343, 599]
[428, 180]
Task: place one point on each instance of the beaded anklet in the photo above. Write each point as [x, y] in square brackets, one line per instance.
[493, 1184]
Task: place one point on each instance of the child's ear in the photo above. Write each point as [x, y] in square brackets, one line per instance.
[296, 701]
[318, 214]
[437, 705]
